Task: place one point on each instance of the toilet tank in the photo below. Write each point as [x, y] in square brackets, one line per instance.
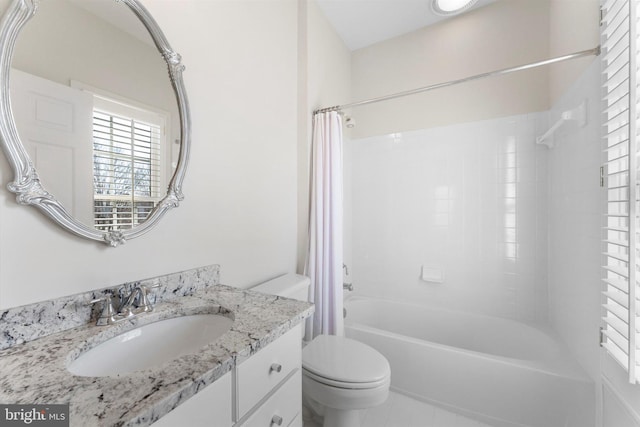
[294, 286]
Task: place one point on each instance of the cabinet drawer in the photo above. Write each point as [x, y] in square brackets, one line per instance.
[267, 368]
[282, 408]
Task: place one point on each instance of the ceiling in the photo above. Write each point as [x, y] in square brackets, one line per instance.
[361, 23]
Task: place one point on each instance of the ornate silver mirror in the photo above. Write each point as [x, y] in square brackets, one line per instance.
[95, 128]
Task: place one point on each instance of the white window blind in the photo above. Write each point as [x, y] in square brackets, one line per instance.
[620, 179]
[126, 169]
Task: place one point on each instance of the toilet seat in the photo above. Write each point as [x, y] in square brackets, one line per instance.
[344, 363]
[345, 385]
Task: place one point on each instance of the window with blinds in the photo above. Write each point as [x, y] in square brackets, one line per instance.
[620, 179]
[126, 169]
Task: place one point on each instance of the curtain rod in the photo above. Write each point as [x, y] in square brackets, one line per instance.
[595, 51]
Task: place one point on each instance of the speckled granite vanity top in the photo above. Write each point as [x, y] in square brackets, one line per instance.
[35, 372]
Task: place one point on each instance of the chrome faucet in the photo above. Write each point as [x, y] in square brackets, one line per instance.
[136, 302]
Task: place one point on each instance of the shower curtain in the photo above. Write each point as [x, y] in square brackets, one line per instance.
[324, 256]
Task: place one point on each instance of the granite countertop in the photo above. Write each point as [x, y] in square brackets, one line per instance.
[36, 372]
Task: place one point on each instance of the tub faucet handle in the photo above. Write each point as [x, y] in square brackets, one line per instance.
[347, 287]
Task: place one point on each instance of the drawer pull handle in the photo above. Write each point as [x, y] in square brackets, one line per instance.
[277, 420]
[275, 367]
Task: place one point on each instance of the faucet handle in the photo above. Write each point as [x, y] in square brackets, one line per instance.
[144, 303]
[107, 316]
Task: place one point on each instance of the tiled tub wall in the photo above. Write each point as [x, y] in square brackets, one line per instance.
[468, 200]
[32, 321]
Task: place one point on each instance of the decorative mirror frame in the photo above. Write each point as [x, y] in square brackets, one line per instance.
[26, 184]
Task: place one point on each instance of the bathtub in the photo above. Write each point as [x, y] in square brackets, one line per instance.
[498, 371]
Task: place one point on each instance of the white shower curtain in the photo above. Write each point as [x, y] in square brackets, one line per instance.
[324, 257]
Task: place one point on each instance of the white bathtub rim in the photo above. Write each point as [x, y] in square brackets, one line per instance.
[546, 329]
[542, 328]
[561, 366]
[557, 369]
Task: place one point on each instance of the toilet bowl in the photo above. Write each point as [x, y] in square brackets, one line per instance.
[340, 376]
[344, 376]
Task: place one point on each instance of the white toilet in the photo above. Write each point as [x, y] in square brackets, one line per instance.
[340, 376]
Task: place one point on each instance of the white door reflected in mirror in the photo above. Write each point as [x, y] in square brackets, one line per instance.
[54, 124]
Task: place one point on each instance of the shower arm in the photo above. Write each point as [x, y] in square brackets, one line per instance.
[589, 52]
[577, 114]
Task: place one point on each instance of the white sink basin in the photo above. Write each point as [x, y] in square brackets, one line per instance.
[150, 345]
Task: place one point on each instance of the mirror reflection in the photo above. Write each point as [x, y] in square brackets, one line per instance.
[95, 110]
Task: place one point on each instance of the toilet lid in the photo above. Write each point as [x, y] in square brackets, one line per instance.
[345, 385]
[343, 360]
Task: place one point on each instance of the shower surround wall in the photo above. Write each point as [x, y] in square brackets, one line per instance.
[468, 200]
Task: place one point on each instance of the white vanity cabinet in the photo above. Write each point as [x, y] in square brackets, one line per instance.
[263, 390]
[269, 384]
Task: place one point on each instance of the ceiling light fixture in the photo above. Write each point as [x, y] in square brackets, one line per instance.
[451, 7]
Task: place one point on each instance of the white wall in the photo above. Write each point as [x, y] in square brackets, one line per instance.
[575, 207]
[573, 27]
[324, 80]
[574, 224]
[500, 35]
[240, 189]
[575, 220]
[469, 200]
